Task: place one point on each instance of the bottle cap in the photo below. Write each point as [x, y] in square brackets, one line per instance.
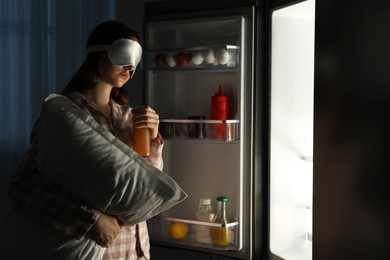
[223, 199]
[220, 92]
[220, 95]
[204, 201]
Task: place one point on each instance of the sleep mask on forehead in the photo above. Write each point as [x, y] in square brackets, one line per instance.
[122, 52]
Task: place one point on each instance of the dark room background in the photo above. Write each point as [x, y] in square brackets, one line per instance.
[42, 43]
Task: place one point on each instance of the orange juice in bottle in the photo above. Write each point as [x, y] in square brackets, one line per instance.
[141, 141]
[221, 235]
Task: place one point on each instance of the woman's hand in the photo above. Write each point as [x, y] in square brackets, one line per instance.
[146, 117]
[105, 230]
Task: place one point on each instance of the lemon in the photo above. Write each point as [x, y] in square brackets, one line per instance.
[177, 230]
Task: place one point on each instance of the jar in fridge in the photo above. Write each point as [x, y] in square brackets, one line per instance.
[204, 214]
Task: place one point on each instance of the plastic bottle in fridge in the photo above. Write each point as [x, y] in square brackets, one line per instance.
[204, 214]
[219, 111]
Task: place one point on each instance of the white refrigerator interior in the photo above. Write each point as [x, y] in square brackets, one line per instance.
[292, 104]
[204, 166]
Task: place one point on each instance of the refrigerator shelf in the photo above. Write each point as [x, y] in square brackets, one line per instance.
[202, 223]
[191, 69]
[197, 48]
[204, 129]
[193, 58]
[199, 234]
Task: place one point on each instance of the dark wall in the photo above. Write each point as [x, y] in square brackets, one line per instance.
[131, 13]
[352, 130]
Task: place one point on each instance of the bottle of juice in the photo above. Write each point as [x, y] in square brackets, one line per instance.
[141, 141]
[204, 214]
[221, 235]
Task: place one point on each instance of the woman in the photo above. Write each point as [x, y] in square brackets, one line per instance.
[98, 89]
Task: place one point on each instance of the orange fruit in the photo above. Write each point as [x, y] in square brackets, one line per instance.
[177, 230]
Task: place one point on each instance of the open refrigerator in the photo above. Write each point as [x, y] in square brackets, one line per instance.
[191, 51]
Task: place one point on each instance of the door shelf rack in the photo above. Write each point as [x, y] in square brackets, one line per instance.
[158, 228]
[208, 57]
[200, 129]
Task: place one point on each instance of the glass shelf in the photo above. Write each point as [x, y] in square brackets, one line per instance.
[202, 223]
[198, 234]
[213, 130]
[208, 57]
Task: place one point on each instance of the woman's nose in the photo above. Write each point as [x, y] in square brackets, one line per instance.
[130, 68]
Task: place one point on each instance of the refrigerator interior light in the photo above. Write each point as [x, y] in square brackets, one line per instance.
[292, 111]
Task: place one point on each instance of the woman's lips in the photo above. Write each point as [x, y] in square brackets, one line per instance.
[125, 75]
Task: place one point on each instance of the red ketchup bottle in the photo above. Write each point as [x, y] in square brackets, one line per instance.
[219, 111]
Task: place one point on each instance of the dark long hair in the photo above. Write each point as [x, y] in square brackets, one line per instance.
[86, 76]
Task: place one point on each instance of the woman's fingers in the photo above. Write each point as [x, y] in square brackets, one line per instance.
[146, 117]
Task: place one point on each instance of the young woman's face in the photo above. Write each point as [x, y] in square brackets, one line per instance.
[112, 74]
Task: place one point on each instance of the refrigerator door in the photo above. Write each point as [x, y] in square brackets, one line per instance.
[187, 58]
[291, 132]
[351, 126]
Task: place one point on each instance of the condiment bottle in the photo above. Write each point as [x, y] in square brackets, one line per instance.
[220, 105]
[195, 129]
[141, 141]
[221, 235]
[219, 111]
[204, 214]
